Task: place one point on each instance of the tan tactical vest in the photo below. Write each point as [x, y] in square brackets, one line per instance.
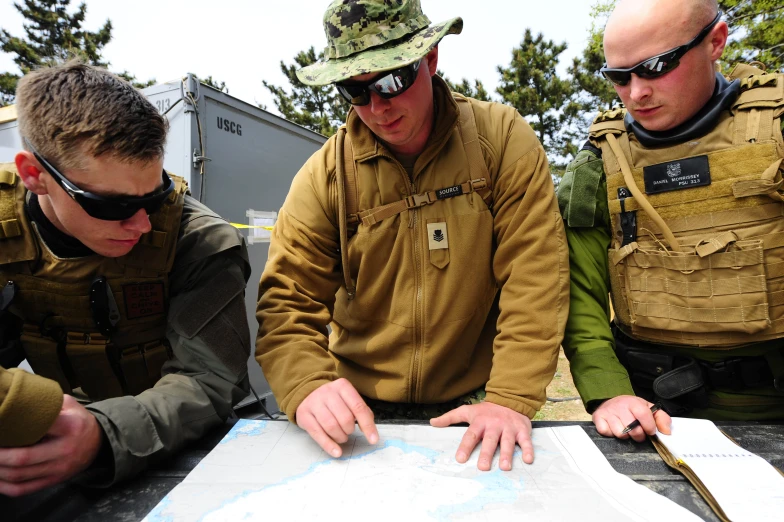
[58, 298]
[349, 215]
[707, 266]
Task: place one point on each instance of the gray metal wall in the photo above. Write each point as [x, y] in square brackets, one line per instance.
[254, 156]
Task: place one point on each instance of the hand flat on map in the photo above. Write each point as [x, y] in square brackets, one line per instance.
[491, 424]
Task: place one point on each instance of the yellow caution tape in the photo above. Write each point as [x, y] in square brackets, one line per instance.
[240, 225]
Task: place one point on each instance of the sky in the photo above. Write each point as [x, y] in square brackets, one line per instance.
[242, 42]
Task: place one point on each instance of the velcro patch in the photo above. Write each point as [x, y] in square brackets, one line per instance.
[449, 192]
[677, 175]
[144, 299]
[437, 236]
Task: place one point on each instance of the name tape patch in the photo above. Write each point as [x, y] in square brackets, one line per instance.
[449, 192]
[677, 175]
[143, 299]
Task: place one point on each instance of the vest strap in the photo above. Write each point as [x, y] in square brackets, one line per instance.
[712, 245]
[638, 195]
[476, 162]
[344, 163]
[374, 215]
[10, 228]
[7, 178]
[719, 219]
[765, 186]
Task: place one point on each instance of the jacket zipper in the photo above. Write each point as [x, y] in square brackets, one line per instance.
[418, 321]
[417, 305]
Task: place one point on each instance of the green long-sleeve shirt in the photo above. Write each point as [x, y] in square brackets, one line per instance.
[588, 341]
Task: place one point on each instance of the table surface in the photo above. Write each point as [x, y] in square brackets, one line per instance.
[132, 500]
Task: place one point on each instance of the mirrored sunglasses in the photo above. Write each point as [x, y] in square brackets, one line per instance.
[387, 85]
[660, 64]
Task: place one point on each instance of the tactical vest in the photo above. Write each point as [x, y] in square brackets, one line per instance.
[349, 215]
[95, 323]
[697, 255]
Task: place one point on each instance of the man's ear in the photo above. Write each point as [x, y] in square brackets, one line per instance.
[432, 60]
[30, 171]
[718, 40]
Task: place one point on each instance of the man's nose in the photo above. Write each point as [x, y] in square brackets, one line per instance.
[139, 222]
[639, 88]
[378, 105]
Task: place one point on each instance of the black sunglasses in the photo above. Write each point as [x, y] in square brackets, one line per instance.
[108, 208]
[387, 85]
[660, 64]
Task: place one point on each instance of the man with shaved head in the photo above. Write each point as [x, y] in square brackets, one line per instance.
[674, 210]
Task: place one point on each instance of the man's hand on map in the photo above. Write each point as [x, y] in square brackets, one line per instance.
[490, 424]
[329, 412]
[615, 414]
[70, 446]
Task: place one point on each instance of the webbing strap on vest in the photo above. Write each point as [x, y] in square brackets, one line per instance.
[8, 227]
[346, 180]
[476, 162]
[374, 215]
[638, 195]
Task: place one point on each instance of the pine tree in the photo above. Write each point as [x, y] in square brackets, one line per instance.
[52, 34]
[594, 91]
[477, 90]
[531, 85]
[756, 32]
[318, 108]
[215, 84]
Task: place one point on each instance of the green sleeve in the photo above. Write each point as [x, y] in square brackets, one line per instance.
[588, 341]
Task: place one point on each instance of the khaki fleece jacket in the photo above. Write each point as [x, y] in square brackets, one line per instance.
[29, 404]
[426, 325]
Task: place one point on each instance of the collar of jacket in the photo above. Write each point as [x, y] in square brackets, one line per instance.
[702, 123]
[445, 112]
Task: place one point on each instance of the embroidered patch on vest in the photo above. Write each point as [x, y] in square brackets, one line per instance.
[449, 192]
[677, 175]
[143, 299]
[436, 236]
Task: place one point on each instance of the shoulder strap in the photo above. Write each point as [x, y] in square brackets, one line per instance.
[758, 107]
[608, 122]
[476, 162]
[346, 180]
[9, 221]
[17, 242]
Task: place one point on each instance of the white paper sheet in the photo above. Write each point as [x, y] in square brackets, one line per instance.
[745, 485]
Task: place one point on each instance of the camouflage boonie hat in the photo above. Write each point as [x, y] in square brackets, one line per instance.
[366, 36]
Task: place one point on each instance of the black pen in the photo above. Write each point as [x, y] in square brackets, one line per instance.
[630, 427]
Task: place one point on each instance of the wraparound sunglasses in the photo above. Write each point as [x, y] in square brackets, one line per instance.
[108, 208]
[660, 64]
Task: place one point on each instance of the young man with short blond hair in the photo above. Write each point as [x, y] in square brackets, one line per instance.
[116, 285]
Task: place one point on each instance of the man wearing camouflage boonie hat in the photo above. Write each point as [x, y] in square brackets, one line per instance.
[399, 234]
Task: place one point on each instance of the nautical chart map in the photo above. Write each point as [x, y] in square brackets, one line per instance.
[267, 470]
